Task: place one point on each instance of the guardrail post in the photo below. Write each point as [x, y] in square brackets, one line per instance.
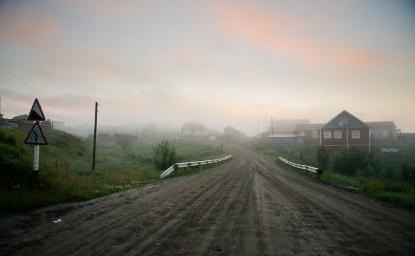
[176, 166]
[305, 168]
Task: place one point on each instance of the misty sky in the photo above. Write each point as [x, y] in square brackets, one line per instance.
[218, 62]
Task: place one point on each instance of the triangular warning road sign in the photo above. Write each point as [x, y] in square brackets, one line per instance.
[36, 112]
[36, 136]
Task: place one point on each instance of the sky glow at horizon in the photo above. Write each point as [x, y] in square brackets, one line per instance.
[217, 62]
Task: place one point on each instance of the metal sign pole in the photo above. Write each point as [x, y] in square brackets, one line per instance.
[36, 158]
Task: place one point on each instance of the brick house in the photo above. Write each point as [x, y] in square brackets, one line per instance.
[345, 131]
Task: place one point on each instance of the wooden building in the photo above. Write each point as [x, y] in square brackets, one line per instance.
[311, 132]
[286, 140]
[345, 131]
[385, 130]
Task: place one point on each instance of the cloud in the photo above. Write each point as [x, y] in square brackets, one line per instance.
[286, 37]
[26, 27]
[104, 8]
[85, 64]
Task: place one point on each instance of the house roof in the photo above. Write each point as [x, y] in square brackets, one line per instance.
[383, 124]
[345, 120]
[308, 127]
[20, 117]
[285, 135]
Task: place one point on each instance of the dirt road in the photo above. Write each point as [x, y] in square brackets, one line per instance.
[248, 206]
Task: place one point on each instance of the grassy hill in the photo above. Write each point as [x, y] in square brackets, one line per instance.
[65, 168]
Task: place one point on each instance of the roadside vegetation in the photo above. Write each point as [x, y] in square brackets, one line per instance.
[386, 176]
[65, 166]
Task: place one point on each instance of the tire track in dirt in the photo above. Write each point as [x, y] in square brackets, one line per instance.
[248, 206]
[148, 232]
[172, 235]
[372, 209]
[347, 229]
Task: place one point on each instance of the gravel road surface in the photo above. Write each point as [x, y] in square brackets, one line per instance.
[247, 206]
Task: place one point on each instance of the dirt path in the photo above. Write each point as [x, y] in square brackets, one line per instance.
[248, 206]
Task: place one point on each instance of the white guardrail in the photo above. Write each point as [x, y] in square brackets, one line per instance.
[301, 166]
[191, 164]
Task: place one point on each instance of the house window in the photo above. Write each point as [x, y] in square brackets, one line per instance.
[343, 121]
[327, 134]
[314, 134]
[355, 134]
[337, 134]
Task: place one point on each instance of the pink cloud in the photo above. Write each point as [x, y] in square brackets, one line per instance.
[187, 56]
[91, 65]
[282, 36]
[27, 27]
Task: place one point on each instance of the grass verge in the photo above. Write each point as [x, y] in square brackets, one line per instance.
[397, 192]
[65, 174]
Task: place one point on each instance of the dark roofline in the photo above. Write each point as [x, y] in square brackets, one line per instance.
[299, 127]
[381, 124]
[345, 112]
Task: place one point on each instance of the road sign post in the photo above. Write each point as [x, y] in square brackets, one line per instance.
[36, 158]
[35, 136]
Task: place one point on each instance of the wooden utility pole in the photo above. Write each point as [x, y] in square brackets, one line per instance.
[95, 137]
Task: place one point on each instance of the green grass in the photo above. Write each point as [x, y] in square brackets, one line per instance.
[190, 151]
[342, 180]
[65, 168]
[305, 155]
[65, 186]
[398, 192]
[385, 183]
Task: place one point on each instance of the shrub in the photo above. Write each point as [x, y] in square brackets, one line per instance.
[164, 155]
[408, 172]
[373, 186]
[15, 160]
[349, 161]
[322, 158]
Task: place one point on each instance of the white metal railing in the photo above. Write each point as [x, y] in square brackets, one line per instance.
[191, 164]
[301, 166]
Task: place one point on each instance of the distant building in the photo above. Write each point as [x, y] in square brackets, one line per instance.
[20, 122]
[345, 131]
[195, 129]
[213, 135]
[407, 137]
[1, 115]
[311, 132]
[286, 140]
[385, 130]
[1, 119]
[286, 126]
